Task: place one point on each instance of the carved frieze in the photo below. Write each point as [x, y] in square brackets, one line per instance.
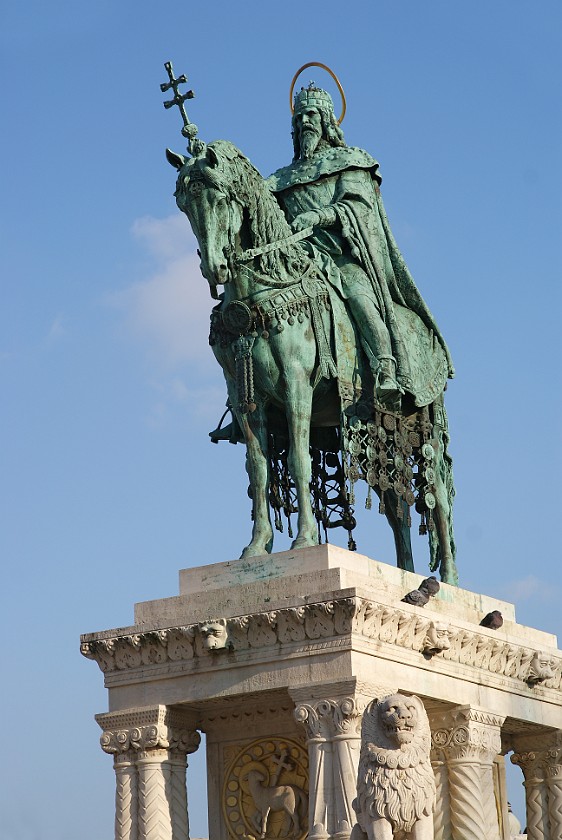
[327, 623]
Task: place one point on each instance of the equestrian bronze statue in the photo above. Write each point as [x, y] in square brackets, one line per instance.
[334, 366]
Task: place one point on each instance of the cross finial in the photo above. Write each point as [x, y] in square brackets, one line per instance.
[189, 129]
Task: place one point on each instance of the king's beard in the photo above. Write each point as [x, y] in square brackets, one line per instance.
[309, 143]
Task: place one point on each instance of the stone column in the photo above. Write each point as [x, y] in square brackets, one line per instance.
[150, 748]
[315, 718]
[540, 759]
[553, 765]
[442, 812]
[126, 796]
[333, 726]
[467, 741]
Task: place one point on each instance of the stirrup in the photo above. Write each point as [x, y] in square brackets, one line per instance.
[231, 432]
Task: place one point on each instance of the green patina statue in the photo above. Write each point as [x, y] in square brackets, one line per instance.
[334, 366]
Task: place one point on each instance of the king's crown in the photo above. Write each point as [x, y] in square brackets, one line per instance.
[313, 97]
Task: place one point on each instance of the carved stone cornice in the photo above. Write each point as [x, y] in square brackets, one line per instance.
[466, 733]
[141, 730]
[329, 622]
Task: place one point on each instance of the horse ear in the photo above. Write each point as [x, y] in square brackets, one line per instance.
[212, 157]
[175, 159]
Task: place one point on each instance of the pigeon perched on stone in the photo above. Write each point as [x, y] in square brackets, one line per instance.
[493, 620]
[426, 590]
[430, 585]
[416, 597]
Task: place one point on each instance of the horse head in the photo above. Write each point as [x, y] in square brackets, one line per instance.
[210, 192]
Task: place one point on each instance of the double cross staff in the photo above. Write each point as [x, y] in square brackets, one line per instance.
[189, 129]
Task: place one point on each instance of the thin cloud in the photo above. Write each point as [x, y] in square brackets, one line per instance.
[531, 588]
[169, 310]
[57, 328]
[204, 402]
[165, 238]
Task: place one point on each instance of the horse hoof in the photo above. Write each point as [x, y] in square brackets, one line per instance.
[256, 550]
[304, 542]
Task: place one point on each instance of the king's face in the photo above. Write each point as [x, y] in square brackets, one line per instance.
[308, 124]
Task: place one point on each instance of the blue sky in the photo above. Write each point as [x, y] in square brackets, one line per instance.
[109, 485]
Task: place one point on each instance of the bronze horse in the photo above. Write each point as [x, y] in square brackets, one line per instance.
[280, 334]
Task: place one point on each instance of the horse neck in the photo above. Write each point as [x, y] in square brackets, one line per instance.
[264, 223]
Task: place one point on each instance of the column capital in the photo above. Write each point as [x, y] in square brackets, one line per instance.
[553, 762]
[538, 754]
[466, 732]
[150, 728]
[332, 709]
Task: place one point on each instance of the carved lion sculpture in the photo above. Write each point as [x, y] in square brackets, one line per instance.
[395, 781]
[214, 635]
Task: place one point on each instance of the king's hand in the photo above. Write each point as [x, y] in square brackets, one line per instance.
[305, 220]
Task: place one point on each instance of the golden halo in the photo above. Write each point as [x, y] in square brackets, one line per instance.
[334, 77]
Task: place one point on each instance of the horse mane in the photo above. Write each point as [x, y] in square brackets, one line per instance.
[243, 183]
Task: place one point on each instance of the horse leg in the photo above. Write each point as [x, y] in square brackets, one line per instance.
[298, 409]
[254, 427]
[442, 543]
[400, 529]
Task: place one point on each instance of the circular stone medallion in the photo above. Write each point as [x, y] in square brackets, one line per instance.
[257, 766]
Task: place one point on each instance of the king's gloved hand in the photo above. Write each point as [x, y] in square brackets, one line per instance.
[304, 220]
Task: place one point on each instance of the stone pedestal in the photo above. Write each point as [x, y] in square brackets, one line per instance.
[276, 658]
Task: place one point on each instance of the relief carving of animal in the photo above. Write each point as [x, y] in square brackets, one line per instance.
[287, 798]
[395, 781]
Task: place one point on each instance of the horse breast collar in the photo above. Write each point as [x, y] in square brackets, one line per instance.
[238, 323]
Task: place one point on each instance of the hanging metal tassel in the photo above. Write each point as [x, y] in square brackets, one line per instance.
[245, 373]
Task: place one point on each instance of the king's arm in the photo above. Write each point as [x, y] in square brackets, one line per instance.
[354, 185]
